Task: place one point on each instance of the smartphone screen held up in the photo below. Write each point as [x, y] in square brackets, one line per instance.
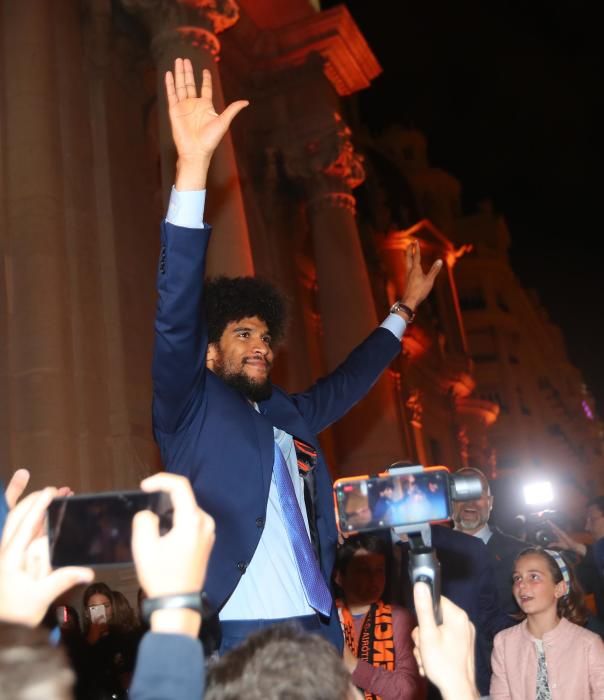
[367, 503]
[96, 529]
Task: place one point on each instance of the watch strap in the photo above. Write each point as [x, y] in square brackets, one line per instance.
[177, 601]
[399, 306]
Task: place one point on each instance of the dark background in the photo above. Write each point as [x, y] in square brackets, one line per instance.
[509, 97]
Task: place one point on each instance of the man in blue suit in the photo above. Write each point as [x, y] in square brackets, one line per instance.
[249, 448]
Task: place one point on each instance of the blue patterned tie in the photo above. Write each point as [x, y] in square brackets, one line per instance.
[317, 593]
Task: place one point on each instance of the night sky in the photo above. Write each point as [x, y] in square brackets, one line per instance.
[509, 97]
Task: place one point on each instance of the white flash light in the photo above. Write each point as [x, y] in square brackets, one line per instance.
[539, 493]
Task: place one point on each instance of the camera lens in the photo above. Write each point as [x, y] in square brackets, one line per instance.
[544, 537]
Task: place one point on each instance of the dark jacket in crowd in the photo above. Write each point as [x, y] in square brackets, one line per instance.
[503, 550]
[590, 572]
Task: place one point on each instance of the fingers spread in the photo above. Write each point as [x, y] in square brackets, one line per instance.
[179, 79]
[206, 85]
[189, 78]
[232, 111]
[410, 255]
[434, 270]
[171, 90]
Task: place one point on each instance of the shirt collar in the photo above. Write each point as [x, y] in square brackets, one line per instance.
[484, 533]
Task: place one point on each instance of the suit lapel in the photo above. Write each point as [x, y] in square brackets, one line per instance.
[283, 414]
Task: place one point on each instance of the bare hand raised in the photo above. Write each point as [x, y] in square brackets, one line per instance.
[197, 129]
[419, 285]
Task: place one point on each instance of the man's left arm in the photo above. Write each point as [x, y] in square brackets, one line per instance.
[333, 396]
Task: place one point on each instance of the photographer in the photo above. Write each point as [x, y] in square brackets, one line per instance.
[590, 566]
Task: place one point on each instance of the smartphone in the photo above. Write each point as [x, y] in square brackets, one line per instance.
[98, 616]
[95, 529]
[366, 503]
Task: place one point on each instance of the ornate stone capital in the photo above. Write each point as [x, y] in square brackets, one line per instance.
[348, 165]
[464, 443]
[414, 404]
[195, 22]
[328, 163]
[334, 200]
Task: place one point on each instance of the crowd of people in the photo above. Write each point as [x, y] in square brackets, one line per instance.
[291, 608]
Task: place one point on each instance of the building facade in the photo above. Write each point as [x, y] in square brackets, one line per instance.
[547, 427]
[294, 195]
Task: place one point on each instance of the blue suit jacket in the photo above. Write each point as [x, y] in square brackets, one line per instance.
[210, 433]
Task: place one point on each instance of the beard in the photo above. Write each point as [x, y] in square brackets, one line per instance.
[470, 523]
[252, 390]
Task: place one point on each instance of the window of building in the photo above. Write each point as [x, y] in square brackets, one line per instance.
[524, 407]
[495, 397]
[472, 299]
[483, 347]
[501, 303]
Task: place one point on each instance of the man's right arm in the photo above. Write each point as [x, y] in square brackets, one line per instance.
[180, 341]
[180, 338]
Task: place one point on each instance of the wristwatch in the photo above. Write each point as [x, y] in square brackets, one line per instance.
[399, 306]
[192, 601]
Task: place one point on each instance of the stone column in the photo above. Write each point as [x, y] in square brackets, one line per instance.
[37, 333]
[189, 29]
[370, 437]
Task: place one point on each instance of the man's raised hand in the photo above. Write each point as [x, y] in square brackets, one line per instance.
[418, 284]
[197, 129]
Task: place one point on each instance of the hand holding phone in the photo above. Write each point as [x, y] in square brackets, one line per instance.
[28, 586]
[175, 562]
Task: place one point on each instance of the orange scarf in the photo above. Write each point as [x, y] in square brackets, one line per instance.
[376, 640]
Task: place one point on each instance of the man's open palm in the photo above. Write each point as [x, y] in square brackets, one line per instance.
[196, 127]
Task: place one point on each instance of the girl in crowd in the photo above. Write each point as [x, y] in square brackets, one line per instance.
[110, 651]
[549, 655]
[378, 650]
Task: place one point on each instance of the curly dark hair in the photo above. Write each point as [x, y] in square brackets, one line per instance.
[229, 299]
[572, 605]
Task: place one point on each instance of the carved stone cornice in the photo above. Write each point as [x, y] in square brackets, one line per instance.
[349, 63]
[195, 22]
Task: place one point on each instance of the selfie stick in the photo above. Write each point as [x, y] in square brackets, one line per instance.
[423, 563]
